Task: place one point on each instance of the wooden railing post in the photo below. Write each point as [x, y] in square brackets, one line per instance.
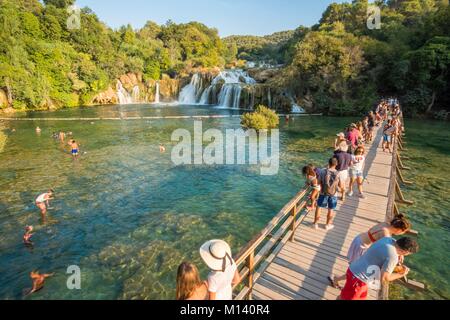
[251, 268]
[294, 216]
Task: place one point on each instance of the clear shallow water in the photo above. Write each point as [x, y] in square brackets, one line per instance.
[429, 149]
[128, 217]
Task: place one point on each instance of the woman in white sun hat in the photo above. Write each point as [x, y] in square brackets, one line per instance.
[224, 274]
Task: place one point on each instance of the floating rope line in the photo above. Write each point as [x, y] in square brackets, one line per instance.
[147, 118]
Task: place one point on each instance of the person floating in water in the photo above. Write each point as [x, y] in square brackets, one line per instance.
[27, 236]
[38, 130]
[61, 136]
[162, 149]
[42, 202]
[38, 281]
[75, 148]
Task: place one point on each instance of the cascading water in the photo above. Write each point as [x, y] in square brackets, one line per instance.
[230, 83]
[157, 98]
[297, 109]
[191, 93]
[136, 94]
[123, 95]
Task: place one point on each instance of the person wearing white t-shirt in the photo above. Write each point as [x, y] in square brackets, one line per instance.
[224, 274]
[356, 172]
[42, 201]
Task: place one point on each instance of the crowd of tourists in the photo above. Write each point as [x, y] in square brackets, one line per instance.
[375, 248]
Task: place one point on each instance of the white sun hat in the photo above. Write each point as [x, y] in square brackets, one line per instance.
[216, 254]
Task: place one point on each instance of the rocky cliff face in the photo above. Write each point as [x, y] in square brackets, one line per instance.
[168, 90]
[3, 99]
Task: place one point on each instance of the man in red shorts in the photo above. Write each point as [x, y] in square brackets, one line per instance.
[377, 265]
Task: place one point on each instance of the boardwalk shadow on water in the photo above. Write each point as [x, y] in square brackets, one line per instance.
[300, 271]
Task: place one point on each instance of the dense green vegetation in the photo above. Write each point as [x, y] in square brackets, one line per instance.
[43, 63]
[340, 66]
[273, 49]
[262, 118]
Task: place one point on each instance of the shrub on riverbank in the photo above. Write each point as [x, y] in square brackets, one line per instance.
[262, 118]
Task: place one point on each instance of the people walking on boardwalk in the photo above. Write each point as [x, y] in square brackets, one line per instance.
[354, 136]
[366, 131]
[312, 180]
[357, 172]
[329, 187]
[224, 273]
[344, 162]
[400, 225]
[341, 140]
[38, 281]
[388, 130]
[27, 236]
[384, 256]
[189, 285]
[371, 122]
[43, 201]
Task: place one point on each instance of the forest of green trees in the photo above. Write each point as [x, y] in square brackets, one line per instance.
[339, 65]
[344, 67]
[41, 60]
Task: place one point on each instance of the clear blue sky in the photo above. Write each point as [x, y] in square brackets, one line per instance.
[255, 17]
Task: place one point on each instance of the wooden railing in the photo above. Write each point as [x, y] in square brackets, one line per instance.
[256, 256]
[396, 197]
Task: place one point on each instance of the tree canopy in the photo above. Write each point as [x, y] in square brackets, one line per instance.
[44, 62]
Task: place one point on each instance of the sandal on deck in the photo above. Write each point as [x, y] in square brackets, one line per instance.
[334, 284]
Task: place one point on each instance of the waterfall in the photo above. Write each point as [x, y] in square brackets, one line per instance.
[123, 95]
[206, 95]
[157, 98]
[136, 94]
[191, 93]
[230, 83]
[295, 107]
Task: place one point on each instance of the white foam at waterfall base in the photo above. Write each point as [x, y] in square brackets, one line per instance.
[297, 109]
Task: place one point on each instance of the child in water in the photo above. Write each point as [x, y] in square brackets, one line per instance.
[27, 236]
[75, 148]
[38, 281]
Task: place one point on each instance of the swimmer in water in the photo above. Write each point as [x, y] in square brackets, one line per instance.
[75, 148]
[27, 236]
[42, 202]
[38, 130]
[38, 281]
[162, 149]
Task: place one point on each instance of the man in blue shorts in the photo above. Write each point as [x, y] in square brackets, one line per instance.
[329, 181]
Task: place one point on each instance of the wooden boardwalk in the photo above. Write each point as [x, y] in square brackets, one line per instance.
[299, 269]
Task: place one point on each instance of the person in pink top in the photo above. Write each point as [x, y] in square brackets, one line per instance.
[354, 136]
